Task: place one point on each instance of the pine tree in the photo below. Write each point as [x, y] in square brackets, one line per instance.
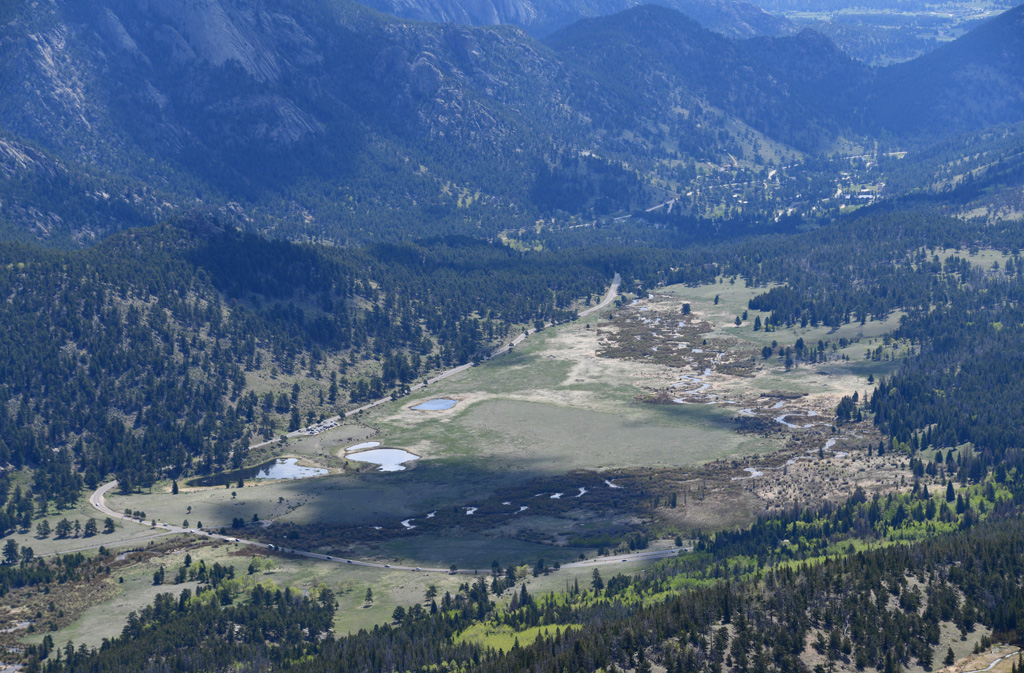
[11, 553]
[63, 529]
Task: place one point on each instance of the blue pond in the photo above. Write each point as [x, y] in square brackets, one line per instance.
[389, 460]
[438, 404]
[288, 468]
[282, 468]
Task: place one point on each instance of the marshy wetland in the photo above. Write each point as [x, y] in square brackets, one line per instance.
[637, 425]
[612, 431]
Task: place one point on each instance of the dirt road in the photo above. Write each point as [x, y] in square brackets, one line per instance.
[98, 497]
[608, 299]
[99, 502]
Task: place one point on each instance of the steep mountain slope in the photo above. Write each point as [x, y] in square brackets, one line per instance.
[45, 199]
[790, 88]
[541, 17]
[334, 119]
[214, 98]
[971, 83]
[324, 119]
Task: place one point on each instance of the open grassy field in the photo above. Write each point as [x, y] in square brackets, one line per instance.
[473, 551]
[124, 535]
[532, 439]
[516, 434]
[357, 499]
[553, 405]
[131, 588]
[556, 407]
[504, 637]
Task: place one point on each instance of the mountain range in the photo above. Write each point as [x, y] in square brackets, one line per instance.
[730, 18]
[326, 119]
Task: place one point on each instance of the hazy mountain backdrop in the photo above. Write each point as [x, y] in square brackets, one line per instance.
[322, 118]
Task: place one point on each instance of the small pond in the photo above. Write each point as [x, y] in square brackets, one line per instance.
[289, 468]
[282, 468]
[388, 460]
[438, 404]
[364, 445]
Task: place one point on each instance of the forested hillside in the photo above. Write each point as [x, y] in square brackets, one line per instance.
[131, 357]
[966, 71]
[222, 221]
[681, 65]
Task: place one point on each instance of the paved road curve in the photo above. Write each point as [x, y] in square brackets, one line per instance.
[98, 498]
[99, 502]
[608, 299]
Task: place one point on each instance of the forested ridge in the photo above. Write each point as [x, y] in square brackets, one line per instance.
[150, 334]
[130, 358]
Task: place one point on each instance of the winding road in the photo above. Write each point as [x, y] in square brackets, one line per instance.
[608, 299]
[995, 662]
[98, 501]
[98, 498]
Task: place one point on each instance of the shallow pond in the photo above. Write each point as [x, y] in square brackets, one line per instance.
[364, 445]
[388, 460]
[282, 468]
[438, 404]
[288, 468]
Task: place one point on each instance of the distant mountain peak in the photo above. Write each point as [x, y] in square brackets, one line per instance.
[733, 18]
[970, 83]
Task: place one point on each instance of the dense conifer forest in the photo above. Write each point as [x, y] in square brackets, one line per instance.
[222, 221]
[162, 382]
[130, 358]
